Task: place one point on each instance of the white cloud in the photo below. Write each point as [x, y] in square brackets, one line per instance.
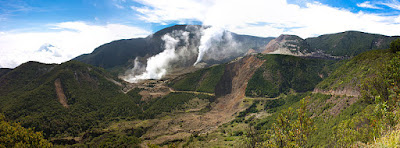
[119, 6]
[397, 19]
[267, 18]
[119, 3]
[394, 4]
[367, 4]
[69, 39]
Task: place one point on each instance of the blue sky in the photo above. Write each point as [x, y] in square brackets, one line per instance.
[32, 15]
[75, 27]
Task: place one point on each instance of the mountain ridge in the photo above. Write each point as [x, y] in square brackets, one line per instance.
[121, 55]
[350, 43]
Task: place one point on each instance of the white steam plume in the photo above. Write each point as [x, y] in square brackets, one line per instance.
[157, 65]
[137, 69]
[210, 34]
[182, 48]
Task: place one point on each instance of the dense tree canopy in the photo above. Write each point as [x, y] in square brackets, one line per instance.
[14, 135]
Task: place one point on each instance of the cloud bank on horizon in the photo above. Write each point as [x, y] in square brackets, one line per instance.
[66, 41]
[68, 38]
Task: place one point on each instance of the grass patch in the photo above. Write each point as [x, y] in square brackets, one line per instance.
[203, 80]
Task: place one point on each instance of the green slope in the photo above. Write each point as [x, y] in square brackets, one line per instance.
[28, 95]
[203, 80]
[4, 71]
[352, 73]
[171, 103]
[283, 73]
[349, 43]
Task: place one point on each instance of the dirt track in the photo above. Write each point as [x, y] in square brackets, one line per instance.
[192, 92]
[346, 91]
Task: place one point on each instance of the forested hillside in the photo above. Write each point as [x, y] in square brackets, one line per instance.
[349, 43]
[282, 73]
[30, 97]
[91, 99]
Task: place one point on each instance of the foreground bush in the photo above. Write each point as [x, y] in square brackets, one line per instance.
[14, 135]
[395, 45]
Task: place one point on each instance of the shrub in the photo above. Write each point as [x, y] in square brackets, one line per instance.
[395, 46]
[14, 135]
[291, 131]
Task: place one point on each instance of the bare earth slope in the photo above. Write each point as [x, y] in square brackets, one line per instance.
[60, 93]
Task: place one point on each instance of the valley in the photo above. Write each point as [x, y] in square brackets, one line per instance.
[182, 124]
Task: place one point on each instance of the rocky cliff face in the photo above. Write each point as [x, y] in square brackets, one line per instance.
[288, 45]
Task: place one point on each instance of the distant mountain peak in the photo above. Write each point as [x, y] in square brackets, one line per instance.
[47, 47]
[288, 45]
[288, 37]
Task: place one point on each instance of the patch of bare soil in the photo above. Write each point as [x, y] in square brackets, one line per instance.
[346, 91]
[152, 89]
[60, 93]
[340, 100]
[340, 104]
[237, 74]
[272, 46]
[192, 92]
